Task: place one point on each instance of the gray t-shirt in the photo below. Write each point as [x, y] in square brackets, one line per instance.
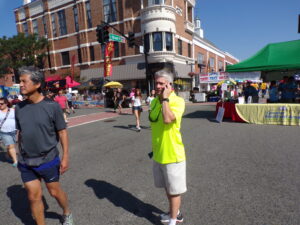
[38, 125]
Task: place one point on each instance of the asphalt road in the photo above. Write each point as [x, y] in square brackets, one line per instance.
[237, 173]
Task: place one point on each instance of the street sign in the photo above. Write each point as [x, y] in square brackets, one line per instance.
[117, 38]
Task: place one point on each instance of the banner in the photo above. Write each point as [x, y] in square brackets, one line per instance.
[109, 50]
[283, 114]
[245, 76]
[213, 77]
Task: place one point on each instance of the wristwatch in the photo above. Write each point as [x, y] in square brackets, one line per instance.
[165, 100]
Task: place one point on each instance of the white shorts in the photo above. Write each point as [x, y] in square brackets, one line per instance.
[171, 176]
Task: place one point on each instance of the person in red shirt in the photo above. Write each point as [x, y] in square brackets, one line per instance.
[62, 100]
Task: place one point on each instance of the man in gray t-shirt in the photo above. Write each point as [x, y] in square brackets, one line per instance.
[40, 133]
[41, 126]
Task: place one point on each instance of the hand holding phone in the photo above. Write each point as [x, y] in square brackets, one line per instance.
[167, 91]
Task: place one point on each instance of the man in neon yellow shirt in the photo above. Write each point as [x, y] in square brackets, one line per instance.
[169, 166]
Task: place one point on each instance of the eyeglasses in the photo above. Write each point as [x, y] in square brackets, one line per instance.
[2, 103]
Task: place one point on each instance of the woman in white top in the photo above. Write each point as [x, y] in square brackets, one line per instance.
[137, 107]
[150, 98]
[8, 129]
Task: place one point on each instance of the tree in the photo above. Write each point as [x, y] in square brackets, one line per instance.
[22, 50]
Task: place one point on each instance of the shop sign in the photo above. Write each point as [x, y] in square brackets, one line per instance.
[213, 77]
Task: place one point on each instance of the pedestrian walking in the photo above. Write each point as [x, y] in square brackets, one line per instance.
[40, 125]
[137, 107]
[69, 97]
[62, 100]
[8, 129]
[169, 160]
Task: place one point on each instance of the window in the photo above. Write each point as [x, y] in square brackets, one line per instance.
[45, 25]
[103, 46]
[146, 43]
[189, 50]
[88, 14]
[92, 53]
[179, 47]
[200, 58]
[220, 66]
[62, 22]
[169, 41]
[117, 50]
[65, 58]
[25, 28]
[53, 25]
[35, 27]
[157, 41]
[75, 12]
[212, 63]
[109, 10]
[79, 55]
[156, 2]
[190, 14]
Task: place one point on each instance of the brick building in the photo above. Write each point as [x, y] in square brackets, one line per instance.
[166, 29]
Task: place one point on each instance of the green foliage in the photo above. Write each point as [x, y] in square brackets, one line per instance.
[22, 50]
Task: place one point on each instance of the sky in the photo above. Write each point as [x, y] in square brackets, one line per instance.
[240, 27]
[243, 27]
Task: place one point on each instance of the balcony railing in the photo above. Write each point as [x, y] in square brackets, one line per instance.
[189, 27]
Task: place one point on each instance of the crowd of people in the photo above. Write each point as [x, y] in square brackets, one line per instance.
[286, 90]
[123, 99]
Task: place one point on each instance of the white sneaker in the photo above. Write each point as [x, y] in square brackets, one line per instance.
[67, 219]
[165, 217]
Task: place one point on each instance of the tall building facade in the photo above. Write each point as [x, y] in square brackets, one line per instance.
[167, 30]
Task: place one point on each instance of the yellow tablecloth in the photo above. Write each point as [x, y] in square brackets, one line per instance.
[283, 114]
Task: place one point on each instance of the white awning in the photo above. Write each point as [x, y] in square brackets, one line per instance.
[123, 72]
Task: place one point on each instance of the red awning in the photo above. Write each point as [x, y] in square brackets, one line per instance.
[53, 78]
[70, 82]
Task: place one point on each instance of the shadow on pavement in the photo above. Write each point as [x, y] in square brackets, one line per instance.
[4, 157]
[209, 115]
[124, 199]
[131, 127]
[20, 205]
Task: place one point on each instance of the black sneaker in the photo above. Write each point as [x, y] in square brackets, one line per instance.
[165, 217]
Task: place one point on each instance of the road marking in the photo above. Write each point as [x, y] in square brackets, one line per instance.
[74, 117]
[92, 121]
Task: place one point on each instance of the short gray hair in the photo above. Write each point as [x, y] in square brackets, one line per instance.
[36, 76]
[168, 75]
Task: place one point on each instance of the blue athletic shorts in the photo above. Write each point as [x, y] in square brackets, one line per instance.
[49, 171]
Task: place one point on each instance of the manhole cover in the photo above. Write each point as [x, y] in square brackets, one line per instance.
[109, 121]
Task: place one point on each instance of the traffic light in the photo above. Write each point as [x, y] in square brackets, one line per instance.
[105, 34]
[102, 34]
[99, 33]
[131, 40]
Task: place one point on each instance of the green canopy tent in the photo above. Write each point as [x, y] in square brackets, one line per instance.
[277, 56]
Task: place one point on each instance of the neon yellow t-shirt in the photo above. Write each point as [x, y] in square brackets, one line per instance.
[167, 143]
